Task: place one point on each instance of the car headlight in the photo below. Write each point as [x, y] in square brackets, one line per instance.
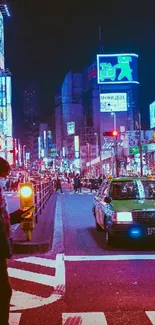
[124, 216]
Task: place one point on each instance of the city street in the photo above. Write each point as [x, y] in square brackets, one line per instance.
[79, 281]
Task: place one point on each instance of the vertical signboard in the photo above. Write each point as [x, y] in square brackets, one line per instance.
[76, 146]
[1, 42]
[9, 147]
[152, 115]
[70, 128]
[9, 107]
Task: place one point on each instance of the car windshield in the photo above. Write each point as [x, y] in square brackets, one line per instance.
[134, 189]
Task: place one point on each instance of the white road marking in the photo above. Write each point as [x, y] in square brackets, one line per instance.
[97, 318]
[58, 236]
[109, 258]
[14, 318]
[44, 279]
[38, 261]
[151, 316]
[21, 300]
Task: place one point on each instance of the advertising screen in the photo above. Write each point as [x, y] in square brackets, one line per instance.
[152, 115]
[117, 68]
[1, 42]
[113, 102]
[70, 128]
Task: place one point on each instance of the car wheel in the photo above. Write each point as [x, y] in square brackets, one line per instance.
[109, 240]
[98, 227]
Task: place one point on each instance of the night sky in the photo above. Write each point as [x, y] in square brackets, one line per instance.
[46, 38]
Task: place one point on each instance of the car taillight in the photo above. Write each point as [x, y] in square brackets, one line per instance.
[114, 216]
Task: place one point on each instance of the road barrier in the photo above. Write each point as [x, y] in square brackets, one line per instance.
[33, 198]
[42, 193]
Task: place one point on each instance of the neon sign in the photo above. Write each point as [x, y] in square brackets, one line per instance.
[117, 68]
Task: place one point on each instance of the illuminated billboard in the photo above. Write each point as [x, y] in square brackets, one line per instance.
[113, 102]
[117, 68]
[70, 128]
[152, 115]
[9, 106]
[1, 42]
[77, 146]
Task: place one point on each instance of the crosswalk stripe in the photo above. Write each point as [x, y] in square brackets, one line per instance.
[74, 258]
[94, 318]
[151, 316]
[32, 276]
[37, 261]
[14, 318]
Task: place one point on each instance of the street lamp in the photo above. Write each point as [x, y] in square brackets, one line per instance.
[96, 135]
[115, 145]
[88, 156]
[140, 146]
[114, 115]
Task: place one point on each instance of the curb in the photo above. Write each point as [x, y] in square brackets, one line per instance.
[23, 247]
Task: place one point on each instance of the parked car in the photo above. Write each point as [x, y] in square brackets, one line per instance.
[125, 207]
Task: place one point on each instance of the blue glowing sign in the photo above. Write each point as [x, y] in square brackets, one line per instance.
[1, 42]
[117, 68]
[152, 115]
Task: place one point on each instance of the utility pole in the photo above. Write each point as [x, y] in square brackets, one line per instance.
[116, 155]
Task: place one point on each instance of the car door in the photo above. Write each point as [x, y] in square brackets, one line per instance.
[102, 207]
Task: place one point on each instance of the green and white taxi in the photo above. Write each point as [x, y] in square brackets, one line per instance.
[125, 207]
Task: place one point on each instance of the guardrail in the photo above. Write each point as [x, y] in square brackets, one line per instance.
[42, 193]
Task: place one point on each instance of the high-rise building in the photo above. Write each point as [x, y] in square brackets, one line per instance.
[31, 112]
[31, 102]
[106, 98]
[68, 110]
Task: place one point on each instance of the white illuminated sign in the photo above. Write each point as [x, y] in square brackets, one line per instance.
[113, 102]
[152, 115]
[70, 128]
[77, 146]
[39, 147]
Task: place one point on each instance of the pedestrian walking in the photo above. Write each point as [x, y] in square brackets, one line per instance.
[5, 244]
[79, 184]
[58, 185]
[76, 183]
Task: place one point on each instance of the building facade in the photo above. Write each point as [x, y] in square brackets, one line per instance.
[6, 127]
[106, 98]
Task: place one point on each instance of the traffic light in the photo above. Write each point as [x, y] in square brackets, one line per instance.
[110, 133]
[27, 202]
[14, 151]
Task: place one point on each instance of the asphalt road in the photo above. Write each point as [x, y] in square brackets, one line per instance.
[80, 281]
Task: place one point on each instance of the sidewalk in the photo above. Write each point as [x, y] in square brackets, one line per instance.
[42, 233]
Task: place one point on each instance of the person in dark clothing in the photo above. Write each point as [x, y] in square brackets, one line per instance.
[100, 180]
[79, 185]
[58, 185]
[6, 220]
[76, 183]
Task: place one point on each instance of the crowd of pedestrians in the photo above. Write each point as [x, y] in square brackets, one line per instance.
[76, 183]
[12, 183]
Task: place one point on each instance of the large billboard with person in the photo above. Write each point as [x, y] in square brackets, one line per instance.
[117, 68]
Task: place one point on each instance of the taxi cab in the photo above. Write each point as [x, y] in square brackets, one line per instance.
[125, 207]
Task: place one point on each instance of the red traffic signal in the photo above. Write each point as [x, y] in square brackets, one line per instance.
[110, 133]
[14, 151]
